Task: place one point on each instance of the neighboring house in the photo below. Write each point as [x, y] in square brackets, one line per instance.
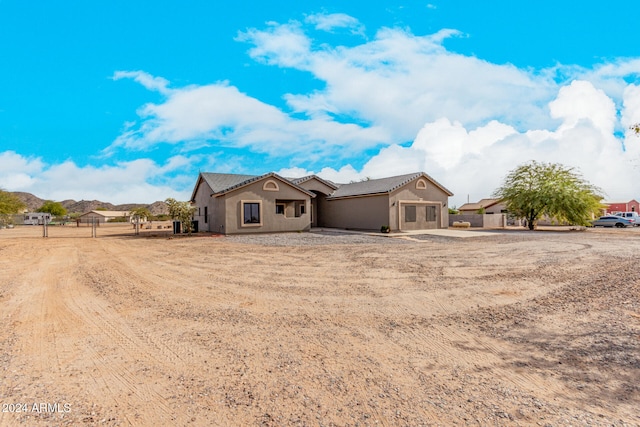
[490, 206]
[101, 217]
[36, 218]
[487, 213]
[234, 204]
[630, 206]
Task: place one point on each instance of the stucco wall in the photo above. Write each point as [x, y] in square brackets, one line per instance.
[430, 195]
[319, 202]
[200, 200]
[481, 220]
[271, 222]
[315, 185]
[496, 209]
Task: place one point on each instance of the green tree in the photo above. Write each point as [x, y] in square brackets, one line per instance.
[10, 204]
[142, 213]
[54, 208]
[181, 211]
[535, 189]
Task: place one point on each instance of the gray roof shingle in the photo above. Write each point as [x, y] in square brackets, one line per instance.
[378, 186]
[223, 182]
[303, 179]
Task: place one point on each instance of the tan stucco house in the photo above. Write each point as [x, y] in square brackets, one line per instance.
[490, 206]
[237, 204]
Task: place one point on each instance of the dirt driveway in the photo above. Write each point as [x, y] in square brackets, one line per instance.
[517, 328]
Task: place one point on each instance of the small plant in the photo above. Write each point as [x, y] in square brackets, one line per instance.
[385, 229]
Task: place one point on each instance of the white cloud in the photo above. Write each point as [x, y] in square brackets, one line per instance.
[473, 163]
[582, 101]
[287, 40]
[16, 171]
[390, 86]
[222, 113]
[157, 84]
[330, 22]
[137, 181]
[463, 120]
[400, 81]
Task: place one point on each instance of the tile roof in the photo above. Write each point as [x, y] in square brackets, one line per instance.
[303, 179]
[109, 213]
[381, 185]
[483, 203]
[221, 183]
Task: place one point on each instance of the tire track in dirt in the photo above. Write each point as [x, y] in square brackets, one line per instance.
[107, 356]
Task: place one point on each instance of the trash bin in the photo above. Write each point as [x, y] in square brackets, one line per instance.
[176, 227]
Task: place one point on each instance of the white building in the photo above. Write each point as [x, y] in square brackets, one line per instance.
[36, 218]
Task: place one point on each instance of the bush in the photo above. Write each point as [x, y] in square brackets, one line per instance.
[118, 219]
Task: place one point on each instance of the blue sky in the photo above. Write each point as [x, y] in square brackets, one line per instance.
[126, 101]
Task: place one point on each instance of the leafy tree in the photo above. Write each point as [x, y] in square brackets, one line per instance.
[453, 211]
[535, 189]
[142, 213]
[636, 128]
[181, 211]
[10, 204]
[54, 208]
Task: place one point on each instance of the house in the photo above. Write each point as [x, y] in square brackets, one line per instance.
[36, 218]
[236, 204]
[487, 213]
[488, 206]
[614, 207]
[100, 217]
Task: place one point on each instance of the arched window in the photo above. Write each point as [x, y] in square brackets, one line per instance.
[421, 184]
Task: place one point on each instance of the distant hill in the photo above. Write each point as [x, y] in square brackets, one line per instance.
[83, 206]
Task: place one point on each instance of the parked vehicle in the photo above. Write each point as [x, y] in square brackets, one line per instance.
[612, 221]
[630, 215]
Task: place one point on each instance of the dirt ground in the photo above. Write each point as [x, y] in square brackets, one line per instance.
[304, 329]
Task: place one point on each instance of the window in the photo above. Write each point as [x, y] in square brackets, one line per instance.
[431, 213]
[410, 213]
[302, 207]
[252, 213]
[421, 184]
[206, 215]
[280, 209]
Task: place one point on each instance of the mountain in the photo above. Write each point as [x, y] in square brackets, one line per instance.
[83, 206]
[30, 200]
